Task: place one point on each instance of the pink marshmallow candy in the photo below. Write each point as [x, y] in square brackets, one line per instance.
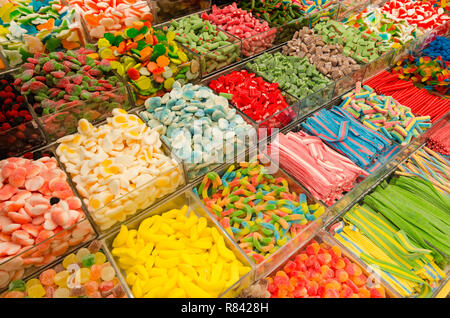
[323, 171]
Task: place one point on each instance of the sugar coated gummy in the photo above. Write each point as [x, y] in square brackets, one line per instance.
[37, 204]
[33, 26]
[257, 209]
[78, 282]
[176, 254]
[321, 271]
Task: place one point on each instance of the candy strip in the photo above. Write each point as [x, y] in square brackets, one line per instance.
[324, 172]
[439, 140]
[338, 129]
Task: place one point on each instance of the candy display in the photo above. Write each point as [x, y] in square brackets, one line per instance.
[356, 44]
[103, 16]
[430, 73]
[438, 47]
[126, 171]
[420, 101]
[440, 140]
[293, 74]
[176, 254]
[321, 270]
[31, 26]
[255, 97]
[199, 149]
[384, 114]
[257, 209]
[404, 236]
[324, 172]
[326, 58]
[338, 129]
[84, 274]
[40, 217]
[215, 48]
[149, 58]
[430, 166]
[256, 35]
[199, 126]
[418, 13]
[396, 33]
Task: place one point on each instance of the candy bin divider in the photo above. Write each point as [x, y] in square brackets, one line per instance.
[109, 259]
[102, 233]
[34, 122]
[88, 103]
[323, 237]
[361, 186]
[202, 57]
[290, 99]
[82, 21]
[309, 231]
[176, 202]
[304, 102]
[4, 61]
[355, 8]
[386, 177]
[180, 2]
[28, 271]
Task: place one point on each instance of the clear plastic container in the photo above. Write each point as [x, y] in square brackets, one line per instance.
[216, 59]
[75, 274]
[93, 34]
[272, 123]
[109, 216]
[75, 28]
[311, 102]
[389, 173]
[24, 137]
[254, 44]
[351, 7]
[323, 237]
[53, 248]
[300, 238]
[65, 120]
[188, 198]
[172, 9]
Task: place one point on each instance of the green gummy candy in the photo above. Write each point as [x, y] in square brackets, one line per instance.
[110, 37]
[18, 285]
[88, 260]
[52, 44]
[132, 33]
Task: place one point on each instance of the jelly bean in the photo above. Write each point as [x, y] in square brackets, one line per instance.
[293, 74]
[257, 209]
[37, 26]
[132, 159]
[257, 36]
[158, 57]
[195, 263]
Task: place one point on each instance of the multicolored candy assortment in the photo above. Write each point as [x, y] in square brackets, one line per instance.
[149, 58]
[84, 274]
[32, 26]
[257, 209]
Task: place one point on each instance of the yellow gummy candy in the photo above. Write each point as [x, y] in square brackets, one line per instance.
[121, 238]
